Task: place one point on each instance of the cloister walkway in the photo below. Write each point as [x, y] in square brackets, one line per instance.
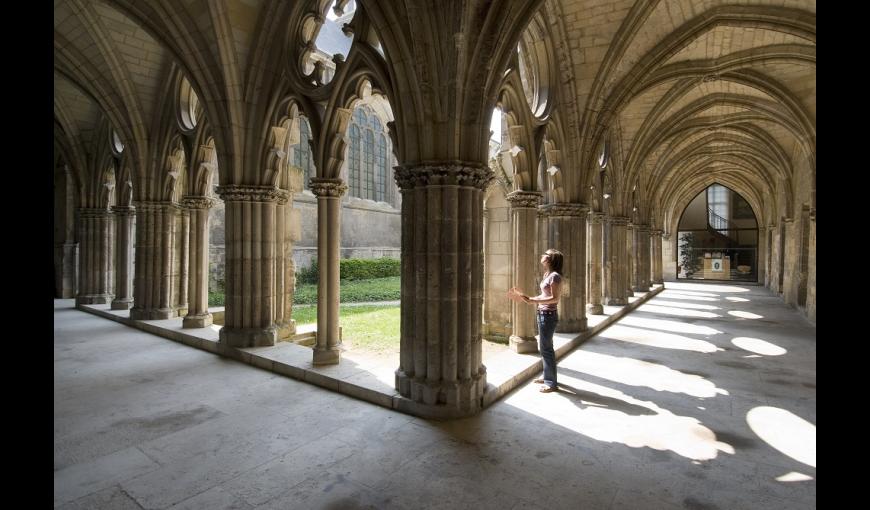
[704, 397]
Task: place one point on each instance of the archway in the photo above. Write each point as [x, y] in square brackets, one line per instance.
[717, 237]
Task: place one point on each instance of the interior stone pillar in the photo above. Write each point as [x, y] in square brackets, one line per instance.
[811, 269]
[595, 263]
[69, 255]
[292, 234]
[327, 350]
[441, 368]
[618, 277]
[124, 220]
[95, 234]
[155, 231]
[656, 256]
[630, 259]
[568, 235]
[526, 265]
[642, 258]
[249, 319]
[198, 315]
[769, 277]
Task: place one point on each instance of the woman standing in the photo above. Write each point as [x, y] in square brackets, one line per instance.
[546, 301]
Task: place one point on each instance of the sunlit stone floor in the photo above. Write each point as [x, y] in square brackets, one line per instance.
[703, 398]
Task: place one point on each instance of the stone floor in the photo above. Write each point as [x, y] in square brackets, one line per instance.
[703, 398]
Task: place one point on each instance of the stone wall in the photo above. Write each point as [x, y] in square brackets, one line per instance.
[497, 265]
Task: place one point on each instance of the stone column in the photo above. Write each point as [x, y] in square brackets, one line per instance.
[642, 258]
[292, 234]
[525, 262]
[155, 231]
[770, 239]
[198, 315]
[568, 235]
[441, 369]
[630, 258]
[656, 256]
[811, 269]
[124, 220]
[183, 307]
[595, 263]
[249, 319]
[617, 285]
[327, 350]
[69, 264]
[95, 234]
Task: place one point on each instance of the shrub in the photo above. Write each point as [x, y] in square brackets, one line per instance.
[355, 269]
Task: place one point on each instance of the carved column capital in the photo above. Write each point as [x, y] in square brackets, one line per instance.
[524, 199]
[145, 206]
[446, 174]
[655, 232]
[94, 212]
[124, 210]
[198, 202]
[241, 193]
[567, 210]
[619, 220]
[596, 218]
[327, 187]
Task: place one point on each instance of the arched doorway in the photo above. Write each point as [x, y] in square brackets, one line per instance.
[717, 237]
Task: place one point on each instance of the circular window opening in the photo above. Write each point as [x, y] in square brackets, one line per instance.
[189, 105]
[117, 145]
[331, 40]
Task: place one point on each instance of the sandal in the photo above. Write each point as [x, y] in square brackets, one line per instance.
[548, 389]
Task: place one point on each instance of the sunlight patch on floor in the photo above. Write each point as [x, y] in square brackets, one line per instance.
[785, 431]
[608, 415]
[668, 295]
[657, 339]
[680, 304]
[669, 310]
[758, 346]
[634, 372]
[745, 315]
[673, 326]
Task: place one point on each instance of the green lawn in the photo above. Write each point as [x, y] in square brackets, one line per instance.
[371, 328]
[352, 291]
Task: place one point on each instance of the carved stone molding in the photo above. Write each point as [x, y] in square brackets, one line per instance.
[156, 206]
[524, 199]
[642, 228]
[655, 232]
[123, 210]
[198, 202]
[619, 220]
[327, 187]
[94, 213]
[566, 210]
[236, 193]
[449, 174]
[596, 217]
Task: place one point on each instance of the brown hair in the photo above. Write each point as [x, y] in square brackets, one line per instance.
[555, 257]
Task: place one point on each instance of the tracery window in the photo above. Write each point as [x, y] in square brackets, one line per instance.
[368, 163]
[302, 153]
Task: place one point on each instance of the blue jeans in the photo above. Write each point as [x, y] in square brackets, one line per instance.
[546, 328]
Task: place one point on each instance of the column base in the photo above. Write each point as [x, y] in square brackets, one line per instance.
[571, 326]
[287, 329]
[142, 314]
[640, 288]
[616, 301]
[94, 299]
[595, 309]
[122, 304]
[441, 399]
[327, 356]
[248, 337]
[661, 281]
[198, 321]
[522, 345]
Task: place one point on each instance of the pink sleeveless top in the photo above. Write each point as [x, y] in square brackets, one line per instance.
[546, 290]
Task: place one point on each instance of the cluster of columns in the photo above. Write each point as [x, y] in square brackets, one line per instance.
[327, 349]
[156, 232]
[442, 287]
[96, 236]
[252, 254]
